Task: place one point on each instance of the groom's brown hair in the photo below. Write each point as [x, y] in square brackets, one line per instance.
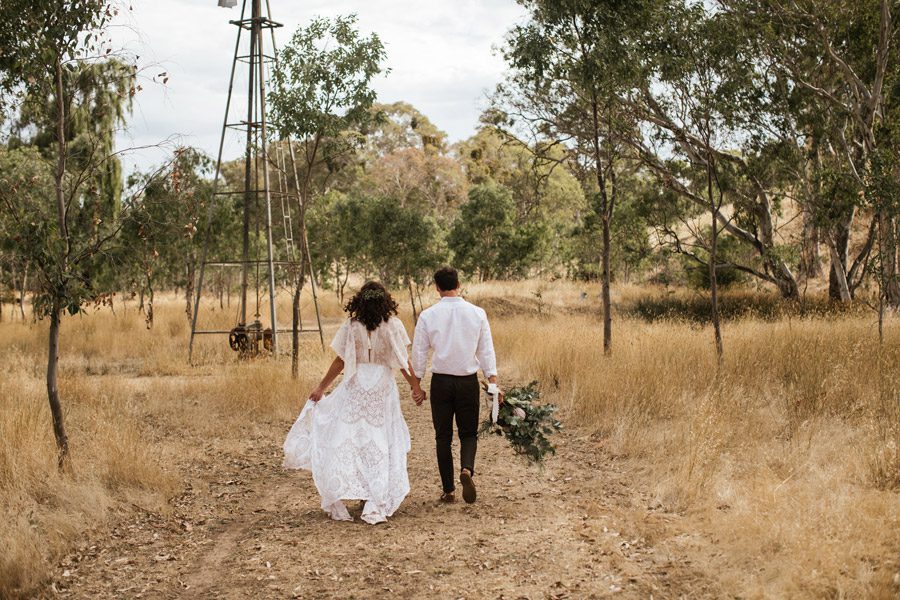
[446, 278]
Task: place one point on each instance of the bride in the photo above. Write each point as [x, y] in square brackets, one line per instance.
[355, 440]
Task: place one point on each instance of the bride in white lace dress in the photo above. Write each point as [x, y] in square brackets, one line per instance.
[355, 440]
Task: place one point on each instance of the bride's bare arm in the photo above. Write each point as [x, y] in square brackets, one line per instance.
[417, 393]
[337, 365]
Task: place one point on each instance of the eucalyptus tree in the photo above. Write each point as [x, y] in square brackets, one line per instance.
[398, 126]
[425, 180]
[407, 158]
[41, 41]
[323, 98]
[486, 239]
[708, 104]
[543, 191]
[339, 238]
[26, 180]
[843, 56]
[48, 47]
[160, 231]
[403, 244]
[98, 97]
[570, 64]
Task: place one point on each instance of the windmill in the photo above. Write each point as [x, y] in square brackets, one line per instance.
[269, 169]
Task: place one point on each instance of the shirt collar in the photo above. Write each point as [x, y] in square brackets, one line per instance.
[452, 299]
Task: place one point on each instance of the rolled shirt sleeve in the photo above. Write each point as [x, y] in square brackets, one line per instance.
[420, 346]
[487, 359]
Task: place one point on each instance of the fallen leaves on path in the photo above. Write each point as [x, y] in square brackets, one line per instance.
[243, 527]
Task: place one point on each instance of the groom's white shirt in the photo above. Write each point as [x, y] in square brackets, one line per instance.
[460, 335]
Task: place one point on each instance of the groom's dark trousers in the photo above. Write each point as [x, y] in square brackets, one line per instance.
[455, 396]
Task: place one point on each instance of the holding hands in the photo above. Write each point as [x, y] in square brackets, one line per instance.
[418, 394]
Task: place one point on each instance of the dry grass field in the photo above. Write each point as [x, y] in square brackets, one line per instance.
[778, 477]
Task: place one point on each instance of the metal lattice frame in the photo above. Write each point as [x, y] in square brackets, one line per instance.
[257, 158]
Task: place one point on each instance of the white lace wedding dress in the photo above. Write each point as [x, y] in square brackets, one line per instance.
[355, 440]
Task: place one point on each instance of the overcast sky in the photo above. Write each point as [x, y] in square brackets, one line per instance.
[440, 52]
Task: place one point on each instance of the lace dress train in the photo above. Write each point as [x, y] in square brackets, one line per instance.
[355, 440]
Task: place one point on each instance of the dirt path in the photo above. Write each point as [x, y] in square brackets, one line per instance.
[245, 528]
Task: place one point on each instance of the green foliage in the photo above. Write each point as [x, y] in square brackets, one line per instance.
[734, 304]
[358, 234]
[323, 85]
[162, 223]
[729, 252]
[338, 235]
[35, 35]
[525, 423]
[486, 239]
[98, 100]
[399, 126]
[45, 47]
[27, 219]
[404, 243]
[630, 251]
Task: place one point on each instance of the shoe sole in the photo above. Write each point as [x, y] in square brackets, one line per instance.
[468, 487]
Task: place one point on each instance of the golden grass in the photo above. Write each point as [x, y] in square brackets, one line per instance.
[132, 405]
[789, 459]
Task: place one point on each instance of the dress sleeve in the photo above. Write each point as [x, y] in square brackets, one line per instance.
[344, 346]
[400, 341]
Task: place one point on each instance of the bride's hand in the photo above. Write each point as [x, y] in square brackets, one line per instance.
[418, 395]
[316, 394]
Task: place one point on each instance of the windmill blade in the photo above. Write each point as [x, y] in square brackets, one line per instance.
[227, 3]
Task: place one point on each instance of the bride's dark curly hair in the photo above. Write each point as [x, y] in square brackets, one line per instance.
[372, 305]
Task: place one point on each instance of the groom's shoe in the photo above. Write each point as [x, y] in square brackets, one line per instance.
[448, 498]
[468, 486]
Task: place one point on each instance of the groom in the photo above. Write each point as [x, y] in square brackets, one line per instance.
[460, 336]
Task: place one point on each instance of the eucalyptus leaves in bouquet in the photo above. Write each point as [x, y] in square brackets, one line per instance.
[526, 423]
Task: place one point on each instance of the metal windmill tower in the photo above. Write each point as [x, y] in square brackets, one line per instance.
[266, 182]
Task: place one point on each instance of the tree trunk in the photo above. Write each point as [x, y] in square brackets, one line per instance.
[150, 308]
[605, 290]
[148, 318]
[337, 281]
[838, 288]
[838, 246]
[59, 428]
[189, 291]
[810, 261]
[295, 331]
[344, 282]
[713, 257]
[22, 292]
[606, 215]
[887, 225]
[58, 299]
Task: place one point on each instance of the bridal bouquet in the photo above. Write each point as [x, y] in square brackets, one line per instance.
[525, 423]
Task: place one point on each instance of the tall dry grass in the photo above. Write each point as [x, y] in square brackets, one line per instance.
[789, 458]
[136, 413]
